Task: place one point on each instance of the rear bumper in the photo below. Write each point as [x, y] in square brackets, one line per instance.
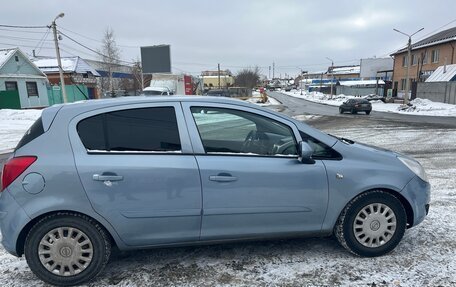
[12, 219]
[418, 194]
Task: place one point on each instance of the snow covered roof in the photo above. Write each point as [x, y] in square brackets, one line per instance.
[438, 38]
[440, 75]
[8, 53]
[346, 70]
[5, 54]
[69, 64]
[361, 83]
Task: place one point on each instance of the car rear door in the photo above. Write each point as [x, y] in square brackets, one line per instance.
[137, 168]
[248, 190]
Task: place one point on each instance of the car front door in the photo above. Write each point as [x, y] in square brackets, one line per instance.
[253, 183]
[137, 168]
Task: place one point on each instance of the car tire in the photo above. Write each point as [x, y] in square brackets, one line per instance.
[368, 112]
[67, 249]
[372, 224]
[341, 111]
[353, 111]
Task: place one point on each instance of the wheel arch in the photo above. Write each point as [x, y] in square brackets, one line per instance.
[407, 206]
[20, 243]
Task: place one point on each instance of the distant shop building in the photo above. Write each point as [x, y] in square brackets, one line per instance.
[210, 79]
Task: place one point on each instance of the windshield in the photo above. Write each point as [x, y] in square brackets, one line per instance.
[152, 93]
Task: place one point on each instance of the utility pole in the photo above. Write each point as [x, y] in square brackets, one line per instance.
[59, 62]
[332, 75]
[409, 56]
[219, 86]
[273, 70]
[269, 72]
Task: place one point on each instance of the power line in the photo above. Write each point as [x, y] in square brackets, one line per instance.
[96, 40]
[43, 39]
[26, 46]
[23, 27]
[92, 50]
[21, 31]
[24, 38]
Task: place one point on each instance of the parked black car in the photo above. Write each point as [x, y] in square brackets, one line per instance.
[356, 105]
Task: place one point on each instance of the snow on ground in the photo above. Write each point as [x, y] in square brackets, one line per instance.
[422, 107]
[426, 255]
[13, 125]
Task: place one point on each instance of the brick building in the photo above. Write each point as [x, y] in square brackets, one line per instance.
[427, 55]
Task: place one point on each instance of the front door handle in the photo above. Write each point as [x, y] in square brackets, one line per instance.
[106, 177]
[222, 177]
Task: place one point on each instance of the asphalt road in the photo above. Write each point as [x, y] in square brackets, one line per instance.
[295, 106]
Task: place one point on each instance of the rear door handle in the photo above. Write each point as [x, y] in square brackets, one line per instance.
[222, 178]
[110, 177]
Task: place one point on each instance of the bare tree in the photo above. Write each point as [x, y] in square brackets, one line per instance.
[248, 77]
[110, 57]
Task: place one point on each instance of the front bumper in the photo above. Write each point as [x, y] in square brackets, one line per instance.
[12, 220]
[418, 194]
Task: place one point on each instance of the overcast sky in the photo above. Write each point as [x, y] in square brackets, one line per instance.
[237, 33]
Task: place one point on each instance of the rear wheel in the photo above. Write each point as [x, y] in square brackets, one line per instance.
[341, 111]
[353, 111]
[372, 224]
[67, 249]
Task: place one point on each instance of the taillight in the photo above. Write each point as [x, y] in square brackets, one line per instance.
[14, 168]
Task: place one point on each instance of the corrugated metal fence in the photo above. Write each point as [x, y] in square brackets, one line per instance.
[444, 92]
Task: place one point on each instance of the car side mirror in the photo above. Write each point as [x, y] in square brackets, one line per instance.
[305, 153]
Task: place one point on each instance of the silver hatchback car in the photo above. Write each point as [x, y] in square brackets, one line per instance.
[144, 172]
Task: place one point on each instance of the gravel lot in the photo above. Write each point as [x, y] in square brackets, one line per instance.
[425, 257]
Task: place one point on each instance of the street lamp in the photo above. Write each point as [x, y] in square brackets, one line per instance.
[409, 55]
[332, 67]
[59, 62]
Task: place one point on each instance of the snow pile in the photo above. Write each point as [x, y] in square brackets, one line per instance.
[256, 99]
[13, 125]
[423, 107]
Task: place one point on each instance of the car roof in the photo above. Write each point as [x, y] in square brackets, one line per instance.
[119, 101]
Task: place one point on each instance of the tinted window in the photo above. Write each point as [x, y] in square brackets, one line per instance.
[32, 133]
[233, 131]
[148, 129]
[91, 132]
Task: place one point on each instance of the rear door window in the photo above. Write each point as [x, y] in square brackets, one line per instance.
[145, 130]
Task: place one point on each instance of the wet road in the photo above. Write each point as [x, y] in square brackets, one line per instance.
[295, 106]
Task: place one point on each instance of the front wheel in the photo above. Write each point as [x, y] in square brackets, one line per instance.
[368, 112]
[67, 249]
[372, 224]
[341, 111]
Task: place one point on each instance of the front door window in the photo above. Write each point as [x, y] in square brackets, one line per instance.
[238, 132]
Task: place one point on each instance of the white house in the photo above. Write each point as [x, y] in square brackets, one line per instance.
[22, 84]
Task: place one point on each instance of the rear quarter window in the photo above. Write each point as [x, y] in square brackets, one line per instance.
[32, 133]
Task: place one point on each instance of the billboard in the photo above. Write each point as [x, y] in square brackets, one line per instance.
[370, 66]
[156, 59]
